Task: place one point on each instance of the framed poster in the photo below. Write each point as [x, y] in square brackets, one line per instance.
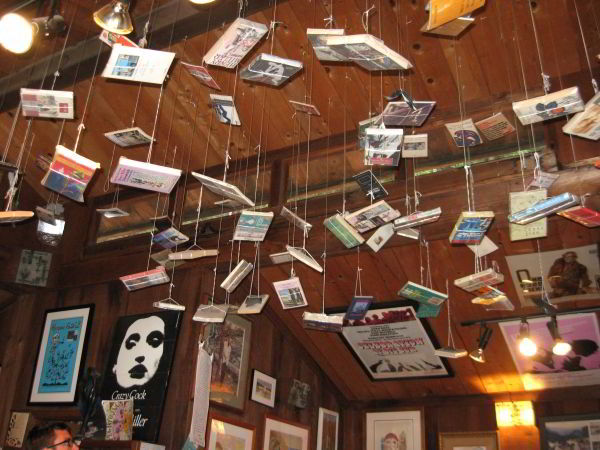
[284, 434]
[395, 429]
[392, 343]
[327, 429]
[581, 431]
[138, 367]
[60, 352]
[226, 433]
[545, 370]
[263, 388]
[34, 268]
[486, 440]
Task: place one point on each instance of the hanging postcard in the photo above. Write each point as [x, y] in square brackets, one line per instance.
[47, 104]
[464, 133]
[317, 36]
[143, 175]
[225, 109]
[586, 124]
[519, 201]
[241, 36]
[384, 146]
[202, 74]
[290, 293]
[138, 64]
[401, 114]
[270, 69]
[495, 127]
[549, 106]
[253, 226]
[129, 137]
[414, 146]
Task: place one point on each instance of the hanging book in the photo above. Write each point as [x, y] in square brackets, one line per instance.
[464, 133]
[477, 280]
[162, 258]
[112, 213]
[290, 293]
[302, 255]
[417, 219]
[236, 276]
[228, 203]
[367, 51]
[414, 146]
[453, 28]
[225, 109]
[169, 238]
[471, 227]
[582, 215]
[143, 175]
[372, 216]
[504, 304]
[111, 39]
[69, 173]
[145, 279]
[322, 322]
[192, 254]
[15, 216]
[380, 237]
[401, 114]
[410, 233]
[202, 74]
[370, 185]
[343, 231]
[586, 124]
[129, 137]
[324, 52]
[544, 208]
[487, 295]
[495, 127]
[253, 304]
[427, 310]
[305, 108]
[373, 122]
[45, 215]
[295, 219]
[118, 415]
[270, 69]
[211, 313]
[519, 201]
[47, 104]
[444, 11]
[358, 308]
[138, 64]
[484, 248]
[422, 294]
[252, 226]
[451, 352]
[241, 36]
[384, 146]
[281, 258]
[223, 189]
[549, 106]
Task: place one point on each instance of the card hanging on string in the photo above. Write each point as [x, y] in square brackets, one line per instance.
[225, 109]
[372, 216]
[544, 208]
[202, 74]
[383, 146]
[370, 185]
[302, 255]
[495, 127]
[471, 227]
[233, 280]
[223, 189]
[169, 238]
[144, 175]
[417, 219]
[129, 137]
[324, 52]
[586, 124]
[519, 201]
[295, 219]
[47, 104]
[305, 108]
[464, 133]
[363, 125]
[138, 64]
[252, 226]
[290, 293]
[145, 279]
[549, 106]
[253, 304]
[415, 146]
[270, 69]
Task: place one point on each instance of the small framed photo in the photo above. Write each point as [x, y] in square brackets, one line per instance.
[299, 394]
[395, 429]
[280, 434]
[327, 431]
[225, 433]
[477, 440]
[580, 431]
[60, 354]
[263, 388]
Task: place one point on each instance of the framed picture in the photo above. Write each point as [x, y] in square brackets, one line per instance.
[226, 433]
[395, 429]
[581, 431]
[487, 440]
[284, 434]
[229, 343]
[408, 349]
[139, 364]
[327, 430]
[60, 353]
[263, 388]
[299, 394]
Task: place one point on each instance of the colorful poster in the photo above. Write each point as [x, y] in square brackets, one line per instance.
[545, 370]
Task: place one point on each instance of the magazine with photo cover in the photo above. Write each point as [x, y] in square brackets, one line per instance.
[111, 39]
[295, 219]
[305, 108]
[202, 74]
[372, 216]
[143, 175]
[370, 185]
[290, 293]
[384, 146]
[343, 231]
[582, 215]
[544, 208]
[270, 69]
[372, 122]
[464, 133]
[47, 104]
[225, 109]
[253, 226]
[444, 11]
[495, 127]
[236, 276]
[417, 219]
[586, 124]
[471, 227]
[138, 64]
[223, 189]
[316, 36]
[253, 304]
[145, 279]
[169, 238]
[129, 137]
[549, 106]
[233, 45]
[400, 114]
[381, 236]
[453, 28]
[415, 146]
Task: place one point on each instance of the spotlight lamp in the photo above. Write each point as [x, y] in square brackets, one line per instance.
[560, 348]
[17, 33]
[114, 17]
[484, 337]
[526, 345]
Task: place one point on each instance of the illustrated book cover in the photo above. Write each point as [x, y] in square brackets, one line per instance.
[316, 36]
[415, 146]
[422, 294]
[400, 114]
[343, 231]
[495, 127]
[233, 45]
[370, 185]
[253, 226]
[129, 137]
[549, 106]
[169, 238]
[290, 293]
[145, 279]
[119, 419]
[225, 109]
[202, 74]
[471, 227]
[143, 175]
[464, 133]
[270, 69]
[384, 146]
[111, 39]
[372, 216]
[586, 124]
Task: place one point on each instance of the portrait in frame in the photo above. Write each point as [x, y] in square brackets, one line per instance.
[285, 434]
[395, 429]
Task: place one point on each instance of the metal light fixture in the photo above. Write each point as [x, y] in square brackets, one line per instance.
[560, 348]
[115, 17]
[484, 337]
[514, 414]
[526, 345]
[16, 33]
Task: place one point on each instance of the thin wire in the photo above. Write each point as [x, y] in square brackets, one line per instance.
[149, 157]
[587, 56]
[537, 44]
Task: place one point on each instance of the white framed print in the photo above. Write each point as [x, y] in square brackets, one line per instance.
[263, 388]
[327, 430]
[395, 429]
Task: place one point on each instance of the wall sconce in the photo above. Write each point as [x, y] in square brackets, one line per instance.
[560, 347]
[526, 345]
[484, 336]
[514, 414]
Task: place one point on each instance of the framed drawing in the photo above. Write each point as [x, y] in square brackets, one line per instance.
[229, 343]
[224, 432]
[263, 388]
[395, 429]
[327, 430]
[581, 431]
[392, 343]
[487, 440]
[285, 434]
[60, 353]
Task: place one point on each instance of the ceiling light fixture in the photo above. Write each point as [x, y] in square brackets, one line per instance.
[17, 33]
[484, 337]
[115, 17]
[560, 348]
[201, 2]
[526, 345]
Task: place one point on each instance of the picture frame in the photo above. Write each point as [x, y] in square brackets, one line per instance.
[226, 432]
[327, 429]
[561, 428]
[468, 440]
[403, 425]
[280, 433]
[263, 388]
[229, 343]
[60, 355]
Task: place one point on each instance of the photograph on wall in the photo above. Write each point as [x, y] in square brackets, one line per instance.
[570, 432]
[229, 343]
[34, 268]
[263, 388]
[282, 434]
[299, 394]
[567, 274]
[395, 430]
[392, 343]
[227, 433]
[327, 430]
[545, 370]
[139, 364]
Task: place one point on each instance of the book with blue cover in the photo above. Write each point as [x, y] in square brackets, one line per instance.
[471, 227]
[252, 226]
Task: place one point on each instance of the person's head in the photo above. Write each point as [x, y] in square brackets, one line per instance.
[140, 352]
[570, 256]
[391, 442]
[56, 435]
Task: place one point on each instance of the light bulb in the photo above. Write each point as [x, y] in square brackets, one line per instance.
[561, 348]
[527, 347]
[477, 355]
[201, 2]
[16, 33]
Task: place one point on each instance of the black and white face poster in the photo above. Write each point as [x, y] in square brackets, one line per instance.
[138, 367]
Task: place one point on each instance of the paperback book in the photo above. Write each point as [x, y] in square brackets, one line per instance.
[372, 122]
[111, 39]
[549, 106]
[15, 216]
[302, 255]
[118, 415]
[453, 28]
[359, 307]
[503, 304]
[129, 137]
[295, 219]
[47, 104]
[305, 108]
[582, 215]
[464, 133]
[223, 189]
[410, 233]
[451, 352]
[519, 201]
[138, 64]
[236, 276]
[233, 45]
[544, 208]
[478, 280]
[487, 295]
[370, 185]
[417, 219]
[343, 231]
[415, 146]
[290, 293]
[422, 294]
[372, 216]
[270, 69]
[384, 146]
[192, 254]
[281, 258]
[202, 74]
[112, 213]
[253, 304]
[143, 175]
[471, 227]
[141, 280]
[444, 11]
[495, 127]
[252, 226]
[427, 310]
[586, 124]
[381, 236]
[169, 238]
[401, 114]
[322, 322]
[162, 258]
[317, 36]
[211, 313]
[225, 109]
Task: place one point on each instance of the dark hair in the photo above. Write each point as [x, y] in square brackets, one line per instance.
[42, 436]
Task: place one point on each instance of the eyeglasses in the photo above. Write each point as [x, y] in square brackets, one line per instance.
[69, 443]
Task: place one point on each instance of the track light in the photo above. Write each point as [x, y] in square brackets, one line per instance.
[16, 33]
[560, 348]
[484, 337]
[526, 346]
[115, 17]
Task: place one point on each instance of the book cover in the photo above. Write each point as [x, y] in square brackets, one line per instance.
[495, 127]
[519, 201]
[17, 427]
[233, 45]
[427, 310]
[415, 146]
[143, 175]
[383, 146]
[138, 64]
[453, 28]
[544, 208]
[487, 295]
[237, 275]
[118, 415]
[549, 106]
[295, 219]
[370, 185]
[322, 322]
[169, 238]
[367, 51]
[223, 189]
[316, 36]
[252, 226]
[129, 137]
[417, 218]
[270, 69]
[471, 227]
[380, 237]
[343, 231]
[305, 108]
[422, 294]
[586, 124]
[372, 122]
[202, 74]
[47, 104]
[253, 304]
[504, 304]
[290, 293]
[359, 307]
[477, 280]
[111, 39]
[400, 114]
[372, 216]
[582, 215]
[464, 133]
[302, 255]
[444, 11]
[225, 109]
[145, 279]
